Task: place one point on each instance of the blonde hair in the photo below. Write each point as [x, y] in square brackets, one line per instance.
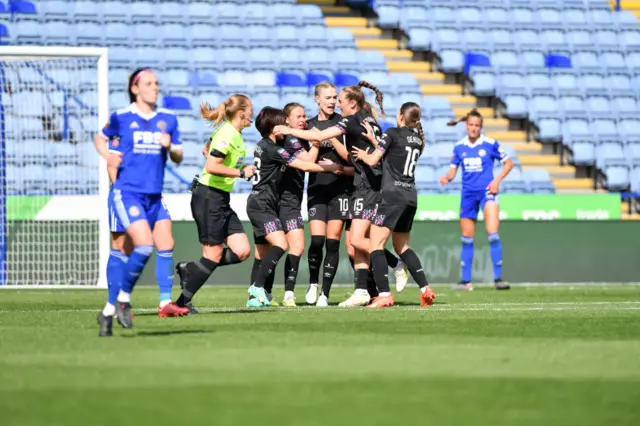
[371, 110]
[355, 93]
[226, 110]
[473, 113]
[322, 85]
[411, 112]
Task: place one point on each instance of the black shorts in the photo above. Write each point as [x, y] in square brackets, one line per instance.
[364, 204]
[264, 218]
[291, 217]
[397, 217]
[211, 210]
[328, 207]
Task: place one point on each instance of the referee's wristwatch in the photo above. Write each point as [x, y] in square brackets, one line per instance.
[241, 173]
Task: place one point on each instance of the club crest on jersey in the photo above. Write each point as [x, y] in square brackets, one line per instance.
[162, 125]
[312, 211]
[482, 153]
[134, 211]
[134, 125]
[115, 142]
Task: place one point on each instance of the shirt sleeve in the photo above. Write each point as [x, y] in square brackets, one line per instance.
[221, 142]
[294, 146]
[174, 132]
[498, 152]
[281, 156]
[385, 142]
[349, 126]
[111, 129]
[455, 159]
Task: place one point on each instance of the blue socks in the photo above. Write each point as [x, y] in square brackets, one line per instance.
[135, 265]
[164, 273]
[496, 254]
[115, 272]
[466, 258]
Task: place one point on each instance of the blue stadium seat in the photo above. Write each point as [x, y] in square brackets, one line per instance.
[446, 38]
[65, 154]
[538, 180]
[85, 11]
[443, 15]
[598, 107]
[256, 14]
[145, 35]
[513, 183]
[476, 40]
[469, 16]
[172, 35]
[203, 35]
[234, 58]
[553, 40]
[565, 85]
[57, 32]
[142, 11]
[113, 11]
[176, 57]
[613, 62]
[605, 130]
[625, 107]
[543, 107]
[26, 32]
[371, 60]
[230, 35]
[318, 60]
[506, 61]
[451, 61]
[314, 36]
[311, 14]
[228, 13]
[283, 14]
[624, 20]
[201, 12]
[340, 37]
[414, 17]
[436, 106]
[579, 39]
[259, 36]
[635, 180]
[600, 18]
[286, 36]
[501, 39]
[619, 85]
[262, 59]
[389, 16]
[538, 84]
[147, 58]
[574, 18]
[172, 12]
[290, 59]
[593, 85]
[550, 19]
[54, 10]
[629, 128]
[523, 18]
[22, 7]
[404, 83]
[630, 40]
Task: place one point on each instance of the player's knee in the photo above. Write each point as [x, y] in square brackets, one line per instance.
[317, 242]
[243, 253]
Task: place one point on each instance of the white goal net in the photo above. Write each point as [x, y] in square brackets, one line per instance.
[52, 183]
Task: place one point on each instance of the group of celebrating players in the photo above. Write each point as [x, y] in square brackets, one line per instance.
[360, 179]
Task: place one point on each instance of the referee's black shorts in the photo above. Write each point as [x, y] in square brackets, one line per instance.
[211, 209]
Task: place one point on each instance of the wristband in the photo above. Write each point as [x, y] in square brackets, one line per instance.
[241, 173]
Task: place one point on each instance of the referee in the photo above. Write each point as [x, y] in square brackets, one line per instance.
[217, 223]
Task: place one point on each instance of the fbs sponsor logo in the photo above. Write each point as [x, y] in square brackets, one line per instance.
[597, 214]
[540, 215]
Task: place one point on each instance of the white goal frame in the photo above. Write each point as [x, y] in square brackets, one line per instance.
[101, 53]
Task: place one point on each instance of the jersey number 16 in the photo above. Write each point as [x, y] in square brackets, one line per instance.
[412, 160]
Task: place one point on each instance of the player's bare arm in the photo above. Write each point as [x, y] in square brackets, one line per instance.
[371, 159]
[494, 186]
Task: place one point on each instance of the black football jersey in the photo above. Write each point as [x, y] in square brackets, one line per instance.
[292, 184]
[324, 181]
[352, 128]
[401, 147]
[271, 161]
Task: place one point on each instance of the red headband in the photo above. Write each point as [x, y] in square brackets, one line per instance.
[137, 77]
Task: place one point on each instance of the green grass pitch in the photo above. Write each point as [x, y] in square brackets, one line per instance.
[530, 356]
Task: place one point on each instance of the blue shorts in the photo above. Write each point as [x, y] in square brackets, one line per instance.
[472, 202]
[114, 224]
[130, 207]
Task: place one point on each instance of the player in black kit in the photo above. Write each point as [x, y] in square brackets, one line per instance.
[400, 147]
[367, 180]
[327, 199]
[271, 160]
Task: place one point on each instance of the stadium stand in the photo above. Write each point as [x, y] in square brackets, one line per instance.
[558, 81]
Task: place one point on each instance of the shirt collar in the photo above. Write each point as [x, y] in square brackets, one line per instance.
[134, 109]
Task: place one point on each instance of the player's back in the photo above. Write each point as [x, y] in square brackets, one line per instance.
[270, 161]
[138, 137]
[402, 148]
[352, 127]
[292, 184]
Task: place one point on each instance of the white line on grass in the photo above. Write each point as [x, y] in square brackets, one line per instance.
[508, 306]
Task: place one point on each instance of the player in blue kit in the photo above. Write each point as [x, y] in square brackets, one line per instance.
[476, 154]
[143, 136]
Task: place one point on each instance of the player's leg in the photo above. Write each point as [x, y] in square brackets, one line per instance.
[378, 236]
[278, 246]
[261, 248]
[359, 233]
[492, 223]
[238, 248]
[410, 258]
[331, 260]
[294, 228]
[318, 229]
[469, 205]
[115, 268]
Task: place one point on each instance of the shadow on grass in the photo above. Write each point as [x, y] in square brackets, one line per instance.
[167, 333]
[213, 312]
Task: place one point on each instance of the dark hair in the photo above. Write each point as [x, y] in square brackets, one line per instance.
[473, 113]
[411, 112]
[354, 93]
[133, 80]
[288, 108]
[267, 119]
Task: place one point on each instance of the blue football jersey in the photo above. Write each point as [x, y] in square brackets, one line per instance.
[137, 136]
[477, 161]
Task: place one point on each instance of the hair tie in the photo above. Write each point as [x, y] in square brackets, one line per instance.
[137, 77]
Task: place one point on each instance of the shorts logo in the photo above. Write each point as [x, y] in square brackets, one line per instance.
[293, 224]
[134, 211]
[379, 220]
[482, 153]
[312, 211]
[368, 214]
[272, 226]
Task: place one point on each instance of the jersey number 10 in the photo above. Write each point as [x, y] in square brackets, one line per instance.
[412, 160]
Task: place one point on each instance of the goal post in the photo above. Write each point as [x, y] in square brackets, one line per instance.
[54, 226]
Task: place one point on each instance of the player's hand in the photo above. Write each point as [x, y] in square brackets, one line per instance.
[114, 159]
[329, 165]
[369, 132]
[444, 180]
[358, 153]
[205, 150]
[249, 171]
[165, 140]
[315, 144]
[282, 130]
[494, 187]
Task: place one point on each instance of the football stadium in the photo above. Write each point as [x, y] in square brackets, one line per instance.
[153, 144]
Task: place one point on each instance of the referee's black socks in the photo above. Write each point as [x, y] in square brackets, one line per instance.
[268, 265]
[414, 266]
[198, 272]
[380, 270]
[315, 258]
